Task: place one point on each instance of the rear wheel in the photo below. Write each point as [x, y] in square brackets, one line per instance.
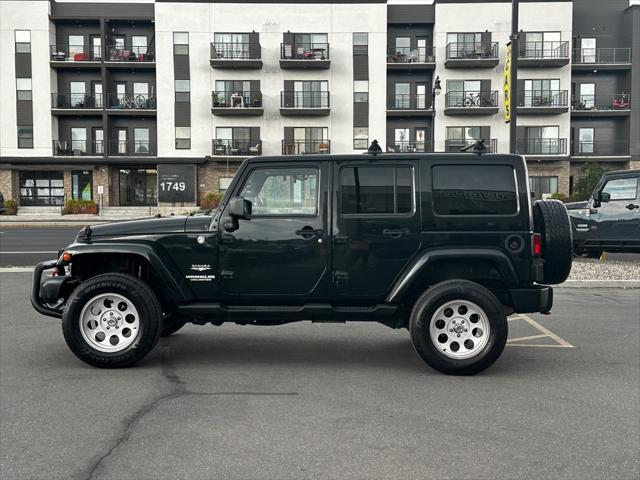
[112, 320]
[458, 327]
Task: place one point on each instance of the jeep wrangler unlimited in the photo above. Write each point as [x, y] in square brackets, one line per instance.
[445, 245]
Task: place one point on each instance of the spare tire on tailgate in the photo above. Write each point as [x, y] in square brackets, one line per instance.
[551, 221]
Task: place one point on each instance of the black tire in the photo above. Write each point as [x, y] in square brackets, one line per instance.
[171, 324]
[139, 294]
[551, 220]
[435, 297]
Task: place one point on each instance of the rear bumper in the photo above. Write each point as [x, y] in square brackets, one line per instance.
[36, 297]
[536, 299]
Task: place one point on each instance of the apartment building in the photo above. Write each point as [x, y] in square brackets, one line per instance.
[156, 103]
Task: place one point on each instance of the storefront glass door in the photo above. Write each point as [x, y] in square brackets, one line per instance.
[138, 187]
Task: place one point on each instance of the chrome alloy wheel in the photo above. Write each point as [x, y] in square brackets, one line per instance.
[109, 322]
[459, 329]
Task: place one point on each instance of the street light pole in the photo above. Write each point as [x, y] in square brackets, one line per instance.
[437, 88]
[513, 94]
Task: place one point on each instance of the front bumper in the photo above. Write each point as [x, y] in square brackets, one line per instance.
[536, 299]
[36, 289]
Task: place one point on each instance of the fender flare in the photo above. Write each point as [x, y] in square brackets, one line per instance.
[422, 261]
[159, 261]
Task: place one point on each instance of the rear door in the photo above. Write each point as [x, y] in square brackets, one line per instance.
[618, 220]
[376, 225]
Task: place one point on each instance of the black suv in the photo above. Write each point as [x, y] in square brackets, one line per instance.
[445, 245]
[610, 219]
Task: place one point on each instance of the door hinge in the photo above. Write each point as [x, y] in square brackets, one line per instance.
[226, 274]
[339, 276]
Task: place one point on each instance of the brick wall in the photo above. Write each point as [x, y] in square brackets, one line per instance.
[101, 177]
[209, 177]
[8, 184]
[552, 169]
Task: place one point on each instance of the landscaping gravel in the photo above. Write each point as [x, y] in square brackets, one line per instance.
[595, 269]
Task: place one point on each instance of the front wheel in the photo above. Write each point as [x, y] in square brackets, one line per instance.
[112, 320]
[458, 327]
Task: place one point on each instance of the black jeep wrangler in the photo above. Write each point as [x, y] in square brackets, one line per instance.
[445, 245]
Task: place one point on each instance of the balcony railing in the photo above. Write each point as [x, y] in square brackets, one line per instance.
[601, 102]
[117, 101]
[543, 98]
[405, 146]
[472, 50]
[63, 148]
[304, 51]
[75, 53]
[131, 147]
[541, 50]
[454, 145]
[233, 147]
[128, 53]
[411, 55]
[542, 146]
[301, 147]
[598, 148]
[225, 99]
[609, 56]
[292, 99]
[471, 99]
[76, 100]
[410, 102]
[236, 51]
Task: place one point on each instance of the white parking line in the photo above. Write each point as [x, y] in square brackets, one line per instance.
[544, 333]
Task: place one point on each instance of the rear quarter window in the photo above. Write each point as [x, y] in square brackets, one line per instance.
[474, 190]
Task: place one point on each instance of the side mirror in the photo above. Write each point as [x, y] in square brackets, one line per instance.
[239, 208]
[604, 197]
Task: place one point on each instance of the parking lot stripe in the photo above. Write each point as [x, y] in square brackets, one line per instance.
[530, 337]
[534, 345]
[546, 331]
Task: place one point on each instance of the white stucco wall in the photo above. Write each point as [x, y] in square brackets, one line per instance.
[339, 21]
[33, 16]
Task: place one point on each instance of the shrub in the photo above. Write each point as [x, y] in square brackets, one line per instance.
[10, 203]
[74, 207]
[210, 200]
[558, 196]
[589, 177]
[10, 207]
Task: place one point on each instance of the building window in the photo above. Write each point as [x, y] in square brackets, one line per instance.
[79, 140]
[360, 138]
[183, 89]
[224, 183]
[139, 44]
[180, 43]
[543, 186]
[23, 87]
[360, 91]
[25, 137]
[23, 41]
[183, 138]
[231, 46]
[360, 43]
[141, 141]
[81, 185]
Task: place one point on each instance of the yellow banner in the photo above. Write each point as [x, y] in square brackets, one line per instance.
[506, 85]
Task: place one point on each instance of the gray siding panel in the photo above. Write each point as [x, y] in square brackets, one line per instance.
[23, 65]
[361, 114]
[411, 14]
[24, 110]
[181, 67]
[96, 10]
[183, 114]
[360, 67]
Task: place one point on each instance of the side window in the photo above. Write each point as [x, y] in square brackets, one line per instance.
[376, 190]
[474, 190]
[282, 191]
[622, 188]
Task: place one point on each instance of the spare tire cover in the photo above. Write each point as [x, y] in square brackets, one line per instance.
[551, 220]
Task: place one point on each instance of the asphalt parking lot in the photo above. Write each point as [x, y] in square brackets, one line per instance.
[326, 401]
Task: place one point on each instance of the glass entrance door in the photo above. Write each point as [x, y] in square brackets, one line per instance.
[138, 187]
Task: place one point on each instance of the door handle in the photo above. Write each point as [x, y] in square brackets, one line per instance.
[341, 239]
[226, 238]
[631, 206]
[308, 232]
[394, 233]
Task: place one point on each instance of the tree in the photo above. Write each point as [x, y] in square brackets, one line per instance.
[590, 175]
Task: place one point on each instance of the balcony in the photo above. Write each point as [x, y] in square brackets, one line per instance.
[472, 55]
[76, 104]
[303, 147]
[601, 105]
[543, 54]
[408, 147]
[304, 55]
[600, 148]
[410, 106]
[236, 147]
[601, 59]
[543, 102]
[456, 146]
[236, 55]
[142, 148]
[126, 56]
[471, 103]
[404, 58]
[294, 104]
[236, 103]
[542, 147]
[72, 56]
[78, 148]
[142, 105]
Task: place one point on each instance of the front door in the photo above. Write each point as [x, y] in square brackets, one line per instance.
[376, 226]
[618, 219]
[138, 187]
[282, 250]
